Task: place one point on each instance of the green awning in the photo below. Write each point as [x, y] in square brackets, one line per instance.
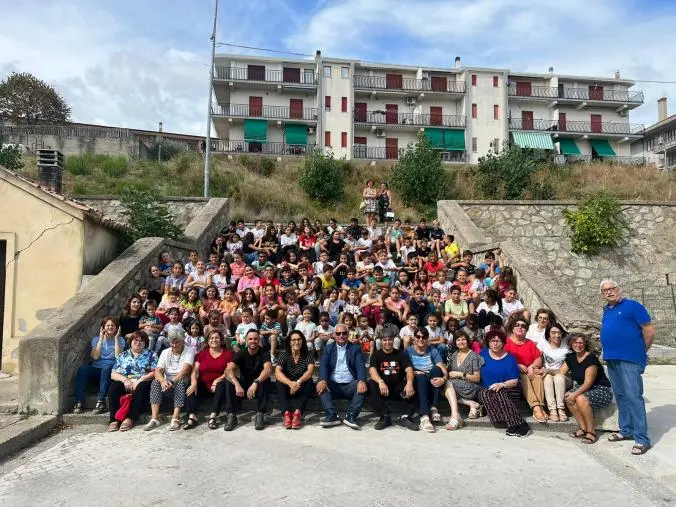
[256, 130]
[534, 140]
[602, 148]
[568, 147]
[446, 139]
[295, 134]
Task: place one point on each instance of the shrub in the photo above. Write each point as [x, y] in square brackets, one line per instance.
[10, 157]
[146, 215]
[79, 165]
[506, 175]
[419, 176]
[597, 223]
[263, 166]
[321, 178]
[164, 150]
[113, 165]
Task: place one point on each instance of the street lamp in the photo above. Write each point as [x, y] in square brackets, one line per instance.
[207, 151]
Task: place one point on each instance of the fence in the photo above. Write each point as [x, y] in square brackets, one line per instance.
[659, 298]
[66, 131]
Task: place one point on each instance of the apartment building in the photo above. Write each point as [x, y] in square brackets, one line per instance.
[373, 111]
[658, 146]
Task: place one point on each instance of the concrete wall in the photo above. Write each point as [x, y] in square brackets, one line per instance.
[485, 128]
[78, 145]
[51, 354]
[336, 121]
[184, 209]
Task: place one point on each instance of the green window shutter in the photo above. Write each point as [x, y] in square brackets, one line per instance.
[295, 134]
[602, 148]
[454, 140]
[568, 147]
[256, 130]
[533, 140]
[435, 137]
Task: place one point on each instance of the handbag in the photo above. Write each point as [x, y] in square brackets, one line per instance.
[125, 406]
[362, 205]
[389, 214]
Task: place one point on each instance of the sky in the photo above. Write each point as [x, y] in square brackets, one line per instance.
[133, 63]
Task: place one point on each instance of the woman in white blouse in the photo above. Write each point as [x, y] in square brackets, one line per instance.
[554, 348]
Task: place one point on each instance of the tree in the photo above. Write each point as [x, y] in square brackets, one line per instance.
[508, 174]
[146, 215]
[419, 176]
[10, 157]
[26, 99]
[321, 177]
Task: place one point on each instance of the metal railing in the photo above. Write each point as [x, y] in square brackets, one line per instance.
[66, 131]
[274, 112]
[396, 118]
[362, 151]
[364, 82]
[307, 77]
[583, 127]
[223, 146]
[624, 160]
[549, 92]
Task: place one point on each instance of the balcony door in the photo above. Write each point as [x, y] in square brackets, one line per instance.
[391, 113]
[439, 83]
[255, 106]
[255, 72]
[359, 148]
[596, 124]
[524, 89]
[296, 109]
[394, 81]
[360, 112]
[291, 75]
[527, 120]
[436, 118]
[562, 121]
[391, 147]
[596, 92]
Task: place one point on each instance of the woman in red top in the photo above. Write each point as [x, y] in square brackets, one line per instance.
[207, 380]
[307, 241]
[529, 359]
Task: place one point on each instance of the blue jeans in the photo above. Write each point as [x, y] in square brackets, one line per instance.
[87, 372]
[428, 395]
[627, 385]
[443, 350]
[342, 391]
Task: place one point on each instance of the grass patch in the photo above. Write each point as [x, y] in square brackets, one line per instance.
[114, 166]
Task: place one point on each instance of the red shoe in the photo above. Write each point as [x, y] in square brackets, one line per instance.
[296, 424]
[287, 420]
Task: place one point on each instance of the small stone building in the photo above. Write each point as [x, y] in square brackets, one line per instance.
[48, 243]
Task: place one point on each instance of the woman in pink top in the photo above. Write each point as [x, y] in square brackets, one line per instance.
[529, 359]
[397, 308]
[237, 267]
[248, 281]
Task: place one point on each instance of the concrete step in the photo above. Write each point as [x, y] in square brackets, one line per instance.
[17, 431]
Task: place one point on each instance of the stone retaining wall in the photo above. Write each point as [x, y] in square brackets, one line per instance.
[50, 355]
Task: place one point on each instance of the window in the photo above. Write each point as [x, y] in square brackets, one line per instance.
[343, 139]
[475, 112]
[327, 71]
[495, 81]
[496, 145]
[496, 112]
[475, 144]
[327, 138]
[473, 79]
[343, 104]
[345, 72]
[327, 102]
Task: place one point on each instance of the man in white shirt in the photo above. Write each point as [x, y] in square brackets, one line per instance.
[510, 304]
[241, 228]
[258, 230]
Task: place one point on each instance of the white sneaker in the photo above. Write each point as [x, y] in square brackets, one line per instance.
[434, 413]
[425, 424]
[152, 424]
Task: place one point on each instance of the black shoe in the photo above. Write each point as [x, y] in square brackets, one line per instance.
[383, 422]
[259, 421]
[523, 430]
[351, 421]
[512, 431]
[230, 422]
[329, 421]
[77, 408]
[100, 407]
[409, 424]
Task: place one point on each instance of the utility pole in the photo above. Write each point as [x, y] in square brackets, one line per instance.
[207, 151]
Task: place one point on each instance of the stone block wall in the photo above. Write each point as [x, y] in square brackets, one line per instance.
[77, 145]
[51, 354]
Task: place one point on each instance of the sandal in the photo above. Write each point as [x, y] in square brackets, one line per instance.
[475, 413]
[618, 437]
[190, 423]
[639, 449]
[454, 424]
[542, 416]
[127, 424]
[578, 433]
[212, 424]
[587, 440]
[175, 424]
[113, 426]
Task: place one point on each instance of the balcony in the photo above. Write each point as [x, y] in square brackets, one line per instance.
[391, 118]
[237, 147]
[578, 127]
[597, 96]
[291, 77]
[362, 151]
[586, 159]
[437, 84]
[305, 114]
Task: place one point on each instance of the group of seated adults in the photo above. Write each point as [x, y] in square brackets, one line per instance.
[418, 325]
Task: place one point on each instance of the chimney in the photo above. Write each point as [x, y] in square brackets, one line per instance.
[617, 74]
[160, 127]
[50, 170]
[662, 109]
[551, 70]
[318, 54]
[458, 62]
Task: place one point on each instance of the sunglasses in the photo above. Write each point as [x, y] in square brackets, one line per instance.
[420, 337]
[341, 333]
[521, 325]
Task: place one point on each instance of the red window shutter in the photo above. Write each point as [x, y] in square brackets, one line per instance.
[596, 123]
[343, 139]
[327, 138]
[495, 81]
[473, 79]
[327, 102]
[359, 140]
[296, 109]
[496, 112]
[255, 106]
[343, 104]
[562, 121]
[360, 112]
[436, 117]
[475, 112]
[439, 84]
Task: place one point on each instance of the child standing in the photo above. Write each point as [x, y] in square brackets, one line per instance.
[271, 333]
[307, 327]
[195, 339]
[151, 323]
[243, 328]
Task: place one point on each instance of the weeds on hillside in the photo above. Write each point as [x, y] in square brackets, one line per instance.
[113, 166]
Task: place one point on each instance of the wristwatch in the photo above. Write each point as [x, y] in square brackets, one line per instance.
[256, 381]
[464, 374]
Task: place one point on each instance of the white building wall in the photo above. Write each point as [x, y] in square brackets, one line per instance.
[540, 110]
[273, 98]
[336, 121]
[485, 128]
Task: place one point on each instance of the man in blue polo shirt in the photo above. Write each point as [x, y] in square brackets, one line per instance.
[626, 335]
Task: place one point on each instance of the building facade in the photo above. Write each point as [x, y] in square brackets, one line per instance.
[658, 146]
[373, 111]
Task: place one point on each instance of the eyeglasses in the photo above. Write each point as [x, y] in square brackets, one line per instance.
[341, 333]
[420, 337]
[609, 290]
[521, 325]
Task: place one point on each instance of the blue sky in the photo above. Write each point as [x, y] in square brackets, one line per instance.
[134, 63]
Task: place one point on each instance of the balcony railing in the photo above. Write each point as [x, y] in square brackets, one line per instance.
[222, 146]
[586, 159]
[306, 77]
[407, 84]
[266, 112]
[548, 92]
[362, 151]
[395, 118]
[579, 127]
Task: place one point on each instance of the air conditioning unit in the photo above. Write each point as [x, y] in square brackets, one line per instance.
[624, 112]
[310, 130]
[380, 133]
[410, 101]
